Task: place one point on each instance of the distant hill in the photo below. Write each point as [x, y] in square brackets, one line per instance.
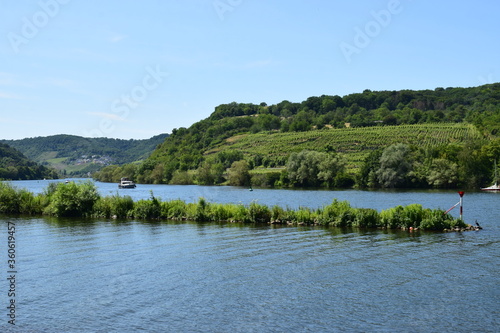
[76, 156]
[15, 166]
[454, 129]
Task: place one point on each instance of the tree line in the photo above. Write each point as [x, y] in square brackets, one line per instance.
[15, 166]
[190, 155]
[396, 166]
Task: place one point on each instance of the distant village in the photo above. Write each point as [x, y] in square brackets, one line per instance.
[96, 159]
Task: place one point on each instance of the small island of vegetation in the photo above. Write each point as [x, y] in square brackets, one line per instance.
[82, 200]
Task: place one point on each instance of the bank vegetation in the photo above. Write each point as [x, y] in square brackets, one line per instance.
[82, 200]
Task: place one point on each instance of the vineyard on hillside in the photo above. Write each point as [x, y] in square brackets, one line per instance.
[354, 143]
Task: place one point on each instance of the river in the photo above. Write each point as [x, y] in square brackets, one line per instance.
[74, 275]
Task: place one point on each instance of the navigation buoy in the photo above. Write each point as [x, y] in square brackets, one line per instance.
[461, 193]
[461, 202]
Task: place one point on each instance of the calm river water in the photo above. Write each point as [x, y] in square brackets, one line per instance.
[75, 275]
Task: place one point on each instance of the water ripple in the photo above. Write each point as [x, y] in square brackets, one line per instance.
[137, 276]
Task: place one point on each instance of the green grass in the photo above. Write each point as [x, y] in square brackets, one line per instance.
[354, 143]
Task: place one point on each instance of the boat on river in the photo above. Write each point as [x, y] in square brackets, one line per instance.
[495, 187]
[126, 183]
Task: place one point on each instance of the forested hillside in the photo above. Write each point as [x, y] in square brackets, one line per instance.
[336, 127]
[15, 166]
[76, 156]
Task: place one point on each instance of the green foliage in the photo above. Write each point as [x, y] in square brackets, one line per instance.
[367, 176]
[441, 166]
[434, 220]
[267, 178]
[9, 199]
[228, 157]
[312, 168]
[175, 209]
[391, 218]
[241, 214]
[278, 214]
[303, 215]
[148, 209]
[204, 174]
[366, 218]
[259, 213]
[20, 201]
[239, 174]
[15, 166]
[415, 216]
[443, 173]
[181, 178]
[72, 199]
[202, 211]
[220, 212]
[394, 166]
[335, 214]
[303, 167]
[114, 206]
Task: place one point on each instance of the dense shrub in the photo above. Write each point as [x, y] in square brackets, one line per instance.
[19, 201]
[175, 209]
[72, 199]
[147, 209]
[366, 218]
[220, 212]
[259, 213]
[9, 199]
[114, 206]
[331, 214]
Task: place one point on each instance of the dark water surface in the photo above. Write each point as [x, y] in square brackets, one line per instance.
[110, 276]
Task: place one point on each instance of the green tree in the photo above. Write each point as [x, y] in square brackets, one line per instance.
[209, 173]
[217, 170]
[394, 166]
[303, 168]
[239, 174]
[330, 168]
[204, 174]
[368, 174]
[443, 173]
[312, 168]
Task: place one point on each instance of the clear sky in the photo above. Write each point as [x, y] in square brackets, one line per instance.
[135, 69]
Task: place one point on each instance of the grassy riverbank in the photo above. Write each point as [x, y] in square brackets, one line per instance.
[83, 200]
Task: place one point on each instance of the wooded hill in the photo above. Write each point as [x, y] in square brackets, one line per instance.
[455, 128]
[76, 156]
[15, 166]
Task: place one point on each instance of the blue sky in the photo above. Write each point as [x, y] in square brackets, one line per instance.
[135, 69]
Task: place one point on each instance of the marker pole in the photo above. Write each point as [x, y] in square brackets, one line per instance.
[461, 193]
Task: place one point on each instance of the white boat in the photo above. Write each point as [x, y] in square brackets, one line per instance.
[126, 183]
[495, 187]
